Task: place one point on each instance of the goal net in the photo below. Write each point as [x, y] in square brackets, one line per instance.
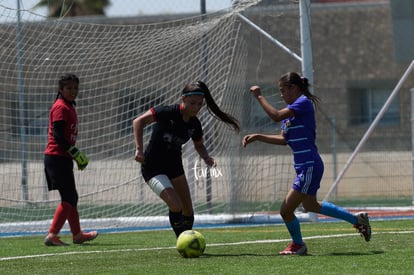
[125, 69]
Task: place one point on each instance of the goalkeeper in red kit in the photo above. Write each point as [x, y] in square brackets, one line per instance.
[59, 155]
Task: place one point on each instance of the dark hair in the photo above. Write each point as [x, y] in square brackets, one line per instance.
[292, 78]
[200, 88]
[64, 80]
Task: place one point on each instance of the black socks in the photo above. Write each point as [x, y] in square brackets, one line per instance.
[188, 222]
[176, 221]
[180, 223]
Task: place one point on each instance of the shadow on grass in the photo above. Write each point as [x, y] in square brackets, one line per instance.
[375, 252]
[237, 255]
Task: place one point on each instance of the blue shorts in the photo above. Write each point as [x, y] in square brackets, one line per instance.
[308, 178]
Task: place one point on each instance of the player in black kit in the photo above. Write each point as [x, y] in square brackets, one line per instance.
[161, 163]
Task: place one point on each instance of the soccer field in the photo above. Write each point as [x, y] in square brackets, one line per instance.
[334, 248]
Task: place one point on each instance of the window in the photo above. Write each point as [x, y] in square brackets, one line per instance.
[365, 104]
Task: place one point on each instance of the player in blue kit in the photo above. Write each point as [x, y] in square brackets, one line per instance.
[298, 130]
[161, 163]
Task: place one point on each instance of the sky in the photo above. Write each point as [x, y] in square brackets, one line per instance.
[136, 7]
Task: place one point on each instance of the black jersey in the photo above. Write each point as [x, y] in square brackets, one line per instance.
[170, 132]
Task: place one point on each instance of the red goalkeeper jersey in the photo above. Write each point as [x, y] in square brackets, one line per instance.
[62, 111]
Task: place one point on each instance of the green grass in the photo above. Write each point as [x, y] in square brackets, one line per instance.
[334, 248]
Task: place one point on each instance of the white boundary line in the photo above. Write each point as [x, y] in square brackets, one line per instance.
[173, 247]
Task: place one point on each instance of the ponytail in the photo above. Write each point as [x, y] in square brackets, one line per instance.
[201, 88]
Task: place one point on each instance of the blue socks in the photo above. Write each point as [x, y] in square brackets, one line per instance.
[334, 211]
[294, 231]
[327, 209]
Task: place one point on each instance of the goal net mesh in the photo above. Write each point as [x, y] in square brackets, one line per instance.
[124, 70]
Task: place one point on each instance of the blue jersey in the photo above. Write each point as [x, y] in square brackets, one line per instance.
[300, 132]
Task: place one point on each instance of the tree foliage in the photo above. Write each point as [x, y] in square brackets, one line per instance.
[71, 8]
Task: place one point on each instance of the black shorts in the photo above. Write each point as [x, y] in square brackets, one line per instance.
[59, 172]
[171, 169]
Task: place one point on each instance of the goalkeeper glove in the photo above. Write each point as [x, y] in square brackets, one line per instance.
[79, 157]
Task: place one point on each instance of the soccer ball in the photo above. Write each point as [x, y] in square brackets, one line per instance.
[191, 244]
